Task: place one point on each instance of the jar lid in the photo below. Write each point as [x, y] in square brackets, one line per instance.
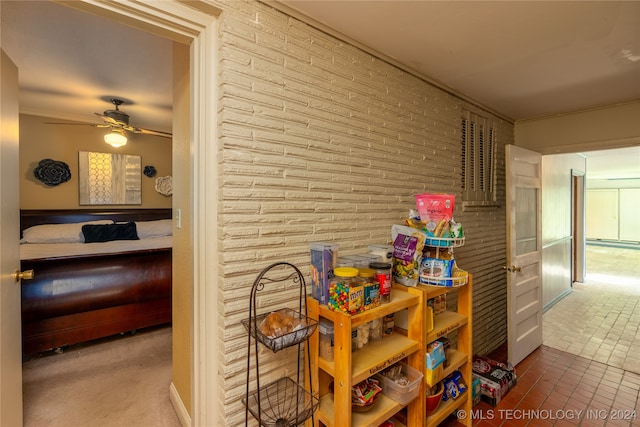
[380, 265]
[366, 272]
[345, 271]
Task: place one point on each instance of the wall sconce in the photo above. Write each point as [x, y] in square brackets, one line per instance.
[116, 138]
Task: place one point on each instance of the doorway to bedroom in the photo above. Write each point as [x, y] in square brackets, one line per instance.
[48, 142]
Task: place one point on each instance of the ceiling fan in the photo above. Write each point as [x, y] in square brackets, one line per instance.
[118, 122]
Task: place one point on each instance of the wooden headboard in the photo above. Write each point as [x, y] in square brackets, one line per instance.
[31, 217]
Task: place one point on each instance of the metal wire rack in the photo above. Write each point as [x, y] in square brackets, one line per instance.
[284, 402]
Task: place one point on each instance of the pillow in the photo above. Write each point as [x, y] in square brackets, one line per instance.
[58, 233]
[157, 228]
[109, 232]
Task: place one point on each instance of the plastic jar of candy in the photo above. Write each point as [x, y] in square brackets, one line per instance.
[371, 288]
[383, 277]
[346, 292]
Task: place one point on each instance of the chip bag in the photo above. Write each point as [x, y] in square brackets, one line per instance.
[408, 244]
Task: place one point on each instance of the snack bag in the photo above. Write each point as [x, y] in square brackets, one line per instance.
[435, 271]
[408, 244]
[436, 210]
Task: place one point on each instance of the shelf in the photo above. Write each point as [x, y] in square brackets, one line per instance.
[399, 300]
[350, 368]
[375, 356]
[445, 323]
[444, 242]
[454, 281]
[285, 403]
[446, 408]
[384, 409]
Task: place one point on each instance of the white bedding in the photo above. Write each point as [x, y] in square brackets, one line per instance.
[62, 250]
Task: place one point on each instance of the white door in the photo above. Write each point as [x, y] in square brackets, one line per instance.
[10, 326]
[524, 252]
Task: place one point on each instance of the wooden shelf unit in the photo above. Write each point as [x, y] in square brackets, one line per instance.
[461, 357]
[349, 368]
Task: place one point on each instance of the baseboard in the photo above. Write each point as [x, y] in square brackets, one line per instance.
[181, 411]
[556, 299]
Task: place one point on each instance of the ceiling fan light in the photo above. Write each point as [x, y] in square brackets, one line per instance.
[116, 138]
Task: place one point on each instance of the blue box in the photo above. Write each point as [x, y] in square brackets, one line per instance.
[324, 257]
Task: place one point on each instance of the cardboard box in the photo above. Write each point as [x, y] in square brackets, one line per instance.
[496, 379]
[324, 257]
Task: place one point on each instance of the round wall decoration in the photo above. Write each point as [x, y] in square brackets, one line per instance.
[149, 171]
[164, 185]
[52, 172]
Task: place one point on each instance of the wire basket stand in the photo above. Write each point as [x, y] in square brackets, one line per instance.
[284, 402]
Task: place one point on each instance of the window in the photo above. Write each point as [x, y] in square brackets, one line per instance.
[478, 158]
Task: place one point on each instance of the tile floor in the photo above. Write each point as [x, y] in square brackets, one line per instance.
[587, 373]
[600, 319]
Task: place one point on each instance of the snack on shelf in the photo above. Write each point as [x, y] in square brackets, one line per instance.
[364, 393]
[408, 244]
[439, 253]
[454, 386]
[459, 273]
[434, 271]
[436, 210]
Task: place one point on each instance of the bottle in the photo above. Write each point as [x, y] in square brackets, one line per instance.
[383, 276]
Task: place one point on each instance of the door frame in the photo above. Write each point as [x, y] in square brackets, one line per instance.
[578, 224]
[193, 23]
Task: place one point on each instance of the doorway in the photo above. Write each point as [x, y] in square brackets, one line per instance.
[193, 25]
[598, 320]
[36, 18]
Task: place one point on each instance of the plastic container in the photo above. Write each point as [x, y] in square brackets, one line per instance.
[371, 288]
[327, 342]
[384, 252]
[383, 277]
[375, 329]
[346, 292]
[402, 394]
[323, 261]
[388, 324]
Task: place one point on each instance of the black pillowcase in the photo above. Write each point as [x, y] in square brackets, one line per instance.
[108, 232]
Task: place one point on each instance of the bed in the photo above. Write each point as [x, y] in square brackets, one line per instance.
[87, 285]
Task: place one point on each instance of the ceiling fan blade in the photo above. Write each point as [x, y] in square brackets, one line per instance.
[79, 124]
[108, 119]
[149, 132]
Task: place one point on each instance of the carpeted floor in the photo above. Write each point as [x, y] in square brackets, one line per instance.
[118, 382]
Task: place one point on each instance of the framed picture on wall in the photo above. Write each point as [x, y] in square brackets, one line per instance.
[109, 179]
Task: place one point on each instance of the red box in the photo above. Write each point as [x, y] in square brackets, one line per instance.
[496, 379]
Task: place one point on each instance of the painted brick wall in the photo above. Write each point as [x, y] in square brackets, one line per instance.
[320, 141]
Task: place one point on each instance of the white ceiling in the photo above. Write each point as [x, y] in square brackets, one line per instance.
[521, 59]
[71, 63]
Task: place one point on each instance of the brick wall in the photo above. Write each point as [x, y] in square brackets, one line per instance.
[320, 141]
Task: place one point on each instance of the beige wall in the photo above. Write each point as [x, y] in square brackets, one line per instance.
[320, 141]
[615, 126]
[557, 232]
[182, 302]
[39, 140]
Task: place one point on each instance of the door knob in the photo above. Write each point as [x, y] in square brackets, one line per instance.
[23, 275]
[513, 268]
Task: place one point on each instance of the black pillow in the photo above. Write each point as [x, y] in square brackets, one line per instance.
[107, 232]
